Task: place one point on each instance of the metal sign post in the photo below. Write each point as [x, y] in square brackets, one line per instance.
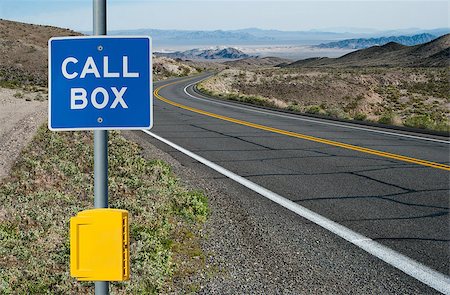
[100, 83]
[100, 142]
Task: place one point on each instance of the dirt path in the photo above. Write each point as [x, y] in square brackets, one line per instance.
[19, 120]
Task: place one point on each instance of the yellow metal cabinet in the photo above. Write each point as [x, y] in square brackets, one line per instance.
[99, 245]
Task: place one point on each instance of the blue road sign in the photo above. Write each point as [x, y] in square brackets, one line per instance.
[100, 83]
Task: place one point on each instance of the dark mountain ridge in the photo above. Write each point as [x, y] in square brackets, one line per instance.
[431, 54]
[361, 43]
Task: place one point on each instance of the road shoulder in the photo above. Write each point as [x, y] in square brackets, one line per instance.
[254, 246]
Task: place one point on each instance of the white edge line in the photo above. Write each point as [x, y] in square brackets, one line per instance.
[426, 275]
[250, 108]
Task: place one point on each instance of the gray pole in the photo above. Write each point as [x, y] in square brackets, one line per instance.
[100, 143]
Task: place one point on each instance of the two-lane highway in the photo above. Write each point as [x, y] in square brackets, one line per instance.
[388, 186]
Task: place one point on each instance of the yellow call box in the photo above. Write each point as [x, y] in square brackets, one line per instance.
[99, 245]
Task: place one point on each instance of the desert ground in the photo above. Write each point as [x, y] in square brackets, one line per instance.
[416, 97]
[21, 113]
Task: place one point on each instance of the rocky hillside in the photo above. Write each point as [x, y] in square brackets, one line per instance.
[361, 43]
[199, 54]
[164, 68]
[23, 55]
[431, 54]
[23, 51]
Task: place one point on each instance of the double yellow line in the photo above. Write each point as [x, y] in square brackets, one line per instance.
[302, 136]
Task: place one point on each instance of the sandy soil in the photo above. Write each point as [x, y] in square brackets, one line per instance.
[19, 120]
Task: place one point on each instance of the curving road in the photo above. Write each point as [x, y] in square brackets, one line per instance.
[389, 186]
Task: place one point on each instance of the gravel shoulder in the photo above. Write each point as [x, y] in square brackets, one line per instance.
[253, 246]
[19, 120]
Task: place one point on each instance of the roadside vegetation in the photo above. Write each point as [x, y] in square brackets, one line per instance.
[53, 180]
[164, 68]
[414, 97]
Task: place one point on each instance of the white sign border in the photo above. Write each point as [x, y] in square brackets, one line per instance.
[100, 128]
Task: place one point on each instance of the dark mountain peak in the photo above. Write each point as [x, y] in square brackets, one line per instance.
[441, 42]
[432, 47]
[392, 46]
[230, 53]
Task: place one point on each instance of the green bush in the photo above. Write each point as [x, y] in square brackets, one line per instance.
[442, 126]
[336, 113]
[314, 110]
[256, 99]
[360, 117]
[386, 118]
[294, 108]
[351, 106]
[39, 97]
[18, 95]
[419, 121]
[9, 84]
[427, 122]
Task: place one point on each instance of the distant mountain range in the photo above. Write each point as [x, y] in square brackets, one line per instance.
[251, 36]
[195, 54]
[255, 36]
[435, 53]
[360, 43]
[189, 37]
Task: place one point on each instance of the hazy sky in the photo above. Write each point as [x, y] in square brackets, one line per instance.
[212, 14]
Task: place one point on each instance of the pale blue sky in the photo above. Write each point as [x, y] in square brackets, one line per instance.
[232, 14]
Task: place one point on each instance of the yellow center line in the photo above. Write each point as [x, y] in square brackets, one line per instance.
[302, 136]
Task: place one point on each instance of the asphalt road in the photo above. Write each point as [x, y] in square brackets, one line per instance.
[402, 204]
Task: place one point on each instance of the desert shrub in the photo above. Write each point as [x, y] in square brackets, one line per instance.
[438, 88]
[352, 105]
[39, 97]
[360, 117]
[336, 113]
[185, 71]
[256, 99]
[8, 84]
[294, 108]
[393, 93]
[314, 110]
[18, 95]
[419, 121]
[442, 126]
[386, 118]
[426, 121]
